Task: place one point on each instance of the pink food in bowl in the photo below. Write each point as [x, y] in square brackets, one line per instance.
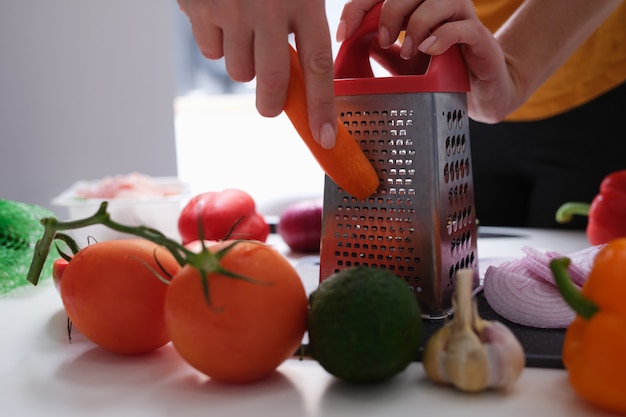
[132, 185]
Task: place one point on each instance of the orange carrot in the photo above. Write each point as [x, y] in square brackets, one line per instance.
[345, 164]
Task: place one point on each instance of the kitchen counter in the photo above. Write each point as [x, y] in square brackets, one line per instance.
[42, 374]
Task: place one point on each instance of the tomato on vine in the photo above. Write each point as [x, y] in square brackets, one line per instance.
[234, 310]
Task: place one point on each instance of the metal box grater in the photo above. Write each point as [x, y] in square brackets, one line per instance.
[421, 222]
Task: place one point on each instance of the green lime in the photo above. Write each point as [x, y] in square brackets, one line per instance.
[364, 325]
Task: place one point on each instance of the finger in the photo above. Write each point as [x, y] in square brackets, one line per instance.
[470, 33]
[352, 16]
[182, 6]
[208, 38]
[271, 60]
[393, 17]
[430, 16]
[239, 52]
[207, 35]
[315, 53]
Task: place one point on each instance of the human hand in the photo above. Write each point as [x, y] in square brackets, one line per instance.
[504, 68]
[433, 26]
[252, 36]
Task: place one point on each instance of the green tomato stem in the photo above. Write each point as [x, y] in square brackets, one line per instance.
[567, 211]
[572, 296]
[52, 226]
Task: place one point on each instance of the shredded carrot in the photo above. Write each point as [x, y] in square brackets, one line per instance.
[345, 163]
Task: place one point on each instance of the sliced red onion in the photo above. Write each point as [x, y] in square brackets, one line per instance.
[581, 262]
[523, 290]
[537, 263]
[517, 296]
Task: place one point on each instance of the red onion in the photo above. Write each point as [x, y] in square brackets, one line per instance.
[300, 226]
[581, 262]
[523, 290]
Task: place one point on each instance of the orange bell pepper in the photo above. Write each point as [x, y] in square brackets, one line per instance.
[594, 349]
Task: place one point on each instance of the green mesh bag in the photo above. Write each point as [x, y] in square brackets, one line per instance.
[20, 229]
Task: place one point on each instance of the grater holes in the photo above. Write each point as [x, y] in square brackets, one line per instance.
[454, 118]
[458, 192]
[378, 123]
[461, 243]
[463, 170]
[455, 145]
[458, 220]
[388, 236]
[468, 261]
[456, 170]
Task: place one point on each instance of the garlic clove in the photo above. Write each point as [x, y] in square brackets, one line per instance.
[505, 353]
[467, 362]
[434, 356]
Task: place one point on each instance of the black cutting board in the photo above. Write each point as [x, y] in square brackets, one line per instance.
[542, 347]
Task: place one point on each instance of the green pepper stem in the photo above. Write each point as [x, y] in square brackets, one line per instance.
[567, 211]
[572, 296]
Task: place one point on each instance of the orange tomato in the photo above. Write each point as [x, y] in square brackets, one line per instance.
[250, 327]
[114, 299]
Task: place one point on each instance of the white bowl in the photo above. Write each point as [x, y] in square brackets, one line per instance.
[157, 212]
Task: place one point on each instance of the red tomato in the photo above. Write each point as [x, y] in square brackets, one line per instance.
[217, 213]
[114, 299]
[250, 328]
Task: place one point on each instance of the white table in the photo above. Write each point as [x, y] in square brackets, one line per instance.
[42, 375]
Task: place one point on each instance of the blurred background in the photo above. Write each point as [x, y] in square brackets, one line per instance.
[95, 89]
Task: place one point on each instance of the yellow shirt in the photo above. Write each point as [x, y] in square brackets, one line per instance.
[596, 67]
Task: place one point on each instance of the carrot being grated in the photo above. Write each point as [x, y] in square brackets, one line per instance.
[345, 163]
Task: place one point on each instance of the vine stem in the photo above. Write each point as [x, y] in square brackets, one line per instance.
[205, 262]
[52, 226]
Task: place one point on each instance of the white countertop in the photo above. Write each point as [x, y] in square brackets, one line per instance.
[41, 374]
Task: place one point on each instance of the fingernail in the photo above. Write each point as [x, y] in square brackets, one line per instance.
[328, 136]
[407, 48]
[384, 38]
[341, 31]
[427, 43]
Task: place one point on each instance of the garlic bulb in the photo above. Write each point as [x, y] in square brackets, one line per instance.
[471, 353]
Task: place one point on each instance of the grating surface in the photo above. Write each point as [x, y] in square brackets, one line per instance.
[420, 224]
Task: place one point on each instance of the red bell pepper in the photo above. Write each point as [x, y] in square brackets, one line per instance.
[606, 213]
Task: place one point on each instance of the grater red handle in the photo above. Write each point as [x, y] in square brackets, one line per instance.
[442, 73]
